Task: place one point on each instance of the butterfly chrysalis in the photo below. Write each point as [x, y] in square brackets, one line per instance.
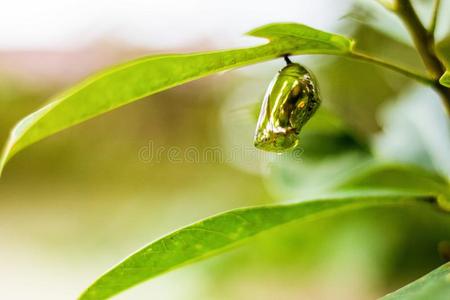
[290, 100]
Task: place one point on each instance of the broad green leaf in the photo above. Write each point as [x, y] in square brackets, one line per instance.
[435, 285]
[134, 80]
[445, 79]
[220, 232]
[392, 177]
[353, 172]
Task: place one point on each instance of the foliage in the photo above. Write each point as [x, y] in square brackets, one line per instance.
[137, 79]
[374, 185]
[219, 233]
[435, 285]
[369, 184]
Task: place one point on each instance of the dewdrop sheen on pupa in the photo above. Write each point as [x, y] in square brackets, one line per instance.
[291, 99]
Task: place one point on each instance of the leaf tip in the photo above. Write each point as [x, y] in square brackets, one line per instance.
[4, 157]
[445, 79]
[8, 149]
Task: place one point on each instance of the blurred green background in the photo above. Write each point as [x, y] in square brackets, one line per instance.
[78, 202]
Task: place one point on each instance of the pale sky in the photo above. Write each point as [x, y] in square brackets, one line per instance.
[63, 24]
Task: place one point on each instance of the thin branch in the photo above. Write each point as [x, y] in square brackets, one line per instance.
[422, 40]
[421, 78]
[440, 89]
[434, 17]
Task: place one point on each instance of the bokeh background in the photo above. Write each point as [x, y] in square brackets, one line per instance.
[76, 203]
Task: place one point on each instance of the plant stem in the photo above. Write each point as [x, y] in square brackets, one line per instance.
[434, 17]
[364, 57]
[434, 83]
[424, 42]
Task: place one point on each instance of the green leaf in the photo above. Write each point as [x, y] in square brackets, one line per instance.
[146, 76]
[445, 79]
[435, 285]
[221, 232]
[402, 178]
[353, 172]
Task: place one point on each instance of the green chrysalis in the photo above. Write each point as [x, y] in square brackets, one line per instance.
[291, 99]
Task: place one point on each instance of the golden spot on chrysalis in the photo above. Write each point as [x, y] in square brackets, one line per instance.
[301, 104]
[295, 91]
